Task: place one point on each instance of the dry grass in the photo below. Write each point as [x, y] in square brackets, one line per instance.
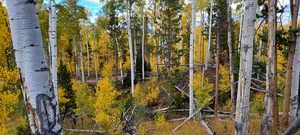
[221, 126]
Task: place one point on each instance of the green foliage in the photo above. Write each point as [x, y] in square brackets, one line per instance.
[64, 82]
[84, 99]
[203, 93]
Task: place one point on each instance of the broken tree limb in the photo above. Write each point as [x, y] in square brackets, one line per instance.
[186, 120]
[97, 132]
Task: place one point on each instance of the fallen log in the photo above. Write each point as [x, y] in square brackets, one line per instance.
[97, 132]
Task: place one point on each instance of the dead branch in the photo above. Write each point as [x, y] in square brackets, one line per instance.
[186, 120]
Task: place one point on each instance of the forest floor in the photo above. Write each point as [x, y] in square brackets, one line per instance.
[224, 126]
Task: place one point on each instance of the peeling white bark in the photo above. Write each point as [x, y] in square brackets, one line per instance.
[243, 96]
[38, 90]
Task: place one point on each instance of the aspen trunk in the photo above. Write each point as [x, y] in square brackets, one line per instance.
[217, 72]
[209, 35]
[243, 96]
[143, 46]
[260, 48]
[270, 117]
[76, 59]
[231, 66]
[130, 45]
[88, 58]
[294, 4]
[295, 80]
[181, 42]
[81, 63]
[40, 100]
[191, 65]
[53, 44]
[95, 57]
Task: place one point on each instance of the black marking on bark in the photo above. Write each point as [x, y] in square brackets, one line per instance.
[46, 111]
[239, 127]
[30, 2]
[43, 69]
[246, 48]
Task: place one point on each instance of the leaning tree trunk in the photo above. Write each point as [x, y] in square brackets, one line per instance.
[143, 46]
[243, 96]
[231, 66]
[53, 44]
[295, 80]
[191, 65]
[40, 100]
[209, 35]
[288, 82]
[130, 45]
[269, 125]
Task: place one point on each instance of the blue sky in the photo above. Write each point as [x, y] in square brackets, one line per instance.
[93, 6]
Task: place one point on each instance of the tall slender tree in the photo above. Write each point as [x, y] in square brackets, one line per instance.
[207, 57]
[270, 117]
[40, 100]
[294, 6]
[243, 96]
[130, 44]
[191, 65]
[53, 47]
[230, 51]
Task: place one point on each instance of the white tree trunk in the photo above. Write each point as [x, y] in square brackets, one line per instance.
[243, 96]
[260, 48]
[209, 36]
[295, 80]
[181, 42]
[191, 65]
[143, 46]
[130, 46]
[76, 59]
[81, 63]
[271, 72]
[53, 44]
[40, 100]
[241, 26]
[229, 43]
[95, 57]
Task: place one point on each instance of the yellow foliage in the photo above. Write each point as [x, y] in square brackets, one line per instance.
[61, 98]
[224, 82]
[8, 100]
[161, 122]
[281, 69]
[83, 99]
[107, 113]
[202, 94]
[147, 92]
